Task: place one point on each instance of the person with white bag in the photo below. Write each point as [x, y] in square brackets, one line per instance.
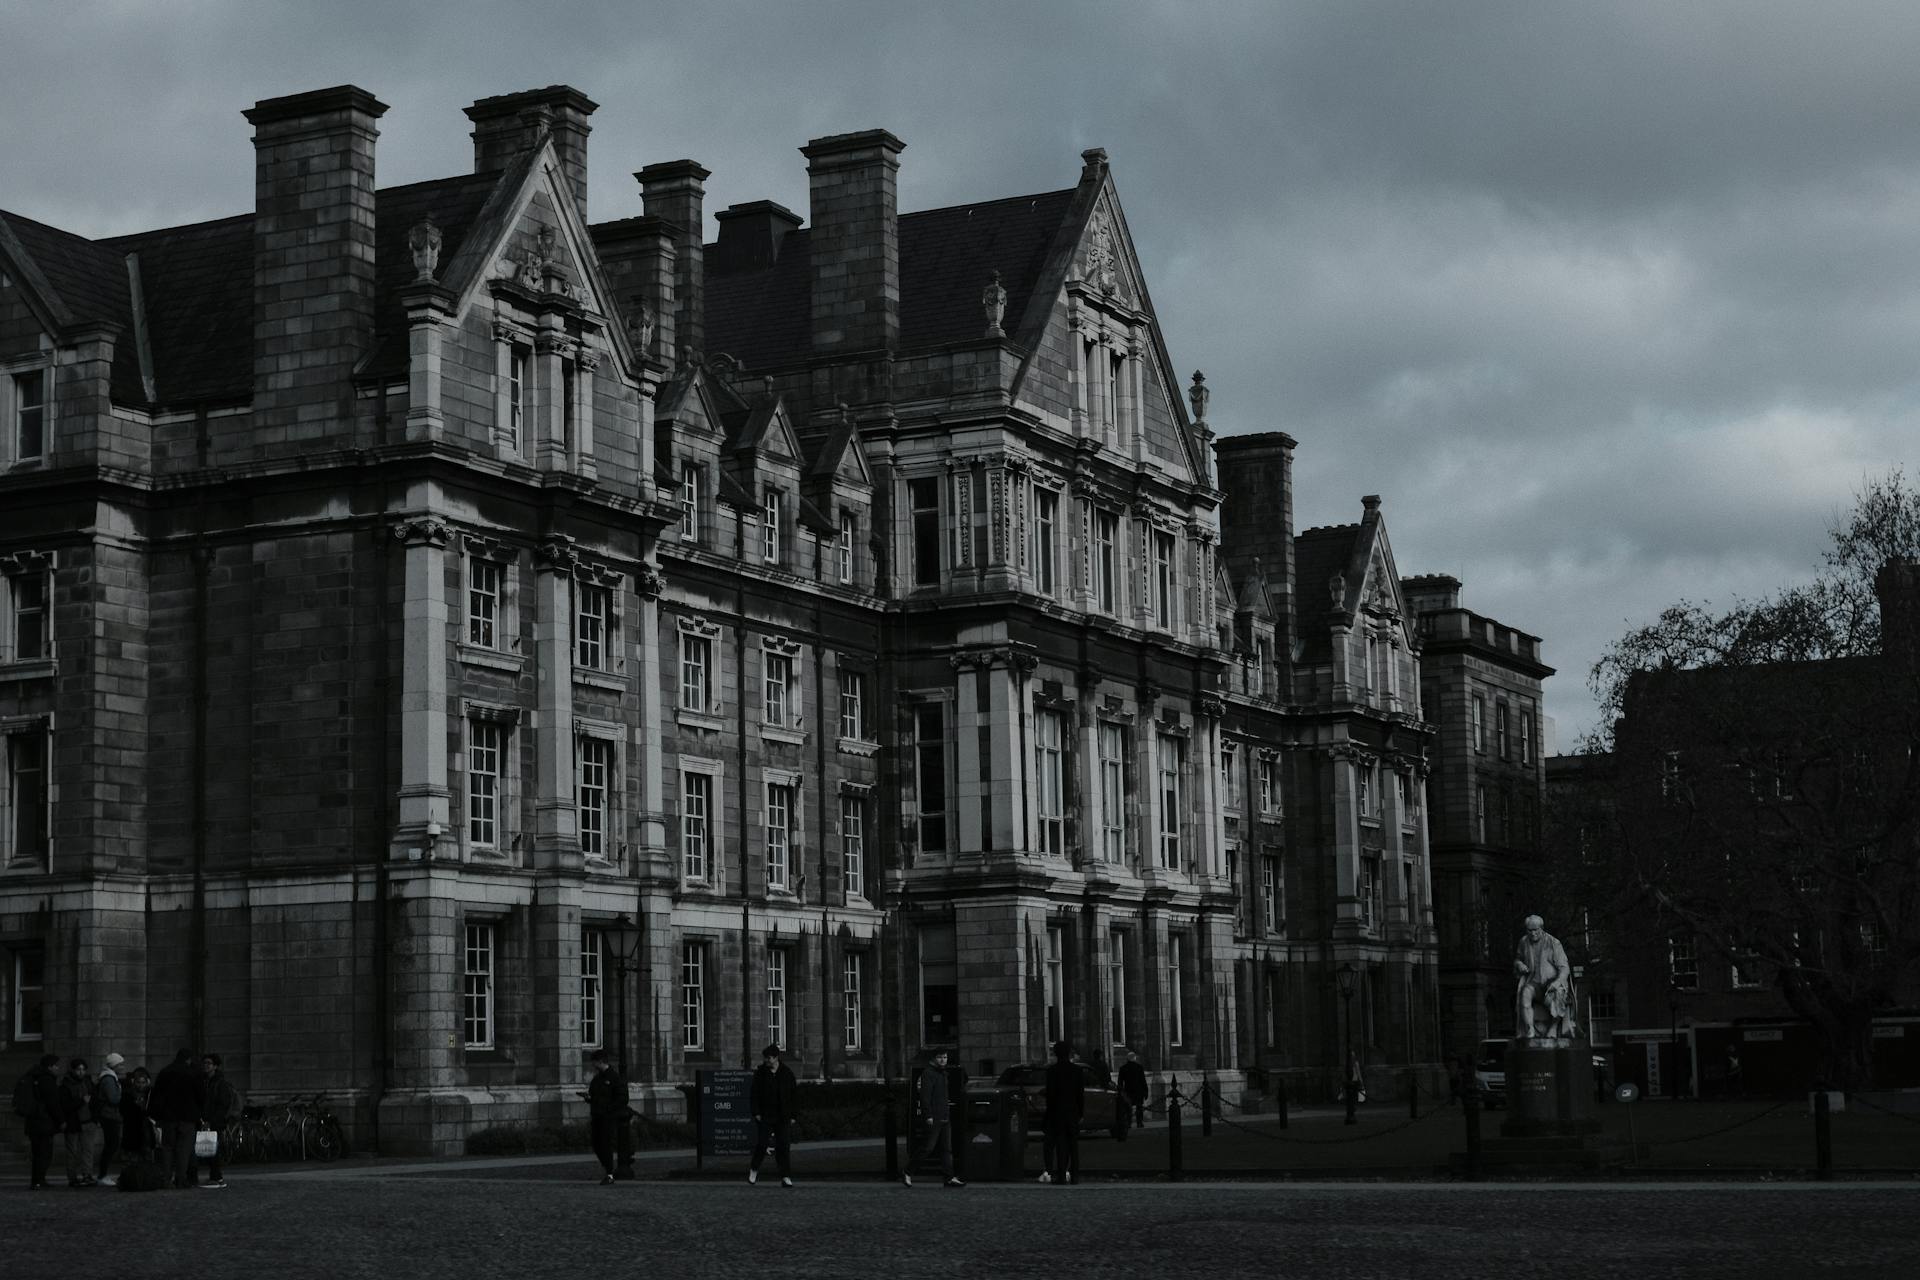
[222, 1101]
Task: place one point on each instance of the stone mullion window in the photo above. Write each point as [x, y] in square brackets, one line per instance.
[26, 607]
[26, 804]
[513, 388]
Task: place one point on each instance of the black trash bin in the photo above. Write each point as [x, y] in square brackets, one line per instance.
[994, 1135]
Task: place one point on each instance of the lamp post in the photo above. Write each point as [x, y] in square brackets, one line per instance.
[1673, 1040]
[624, 935]
[1348, 976]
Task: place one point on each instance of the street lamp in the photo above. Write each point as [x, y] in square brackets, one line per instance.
[623, 935]
[1348, 976]
[1673, 1039]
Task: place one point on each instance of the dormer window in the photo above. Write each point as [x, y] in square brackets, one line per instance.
[690, 502]
[770, 528]
[519, 370]
[843, 547]
[1106, 561]
[1163, 580]
[29, 415]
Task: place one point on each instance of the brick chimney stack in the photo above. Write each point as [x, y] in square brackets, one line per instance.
[674, 191]
[506, 126]
[1898, 587]
[313, 233]
[853, 200]
[638, 256]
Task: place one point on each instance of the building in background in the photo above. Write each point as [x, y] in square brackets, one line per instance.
[444, 636]
[1480, 686]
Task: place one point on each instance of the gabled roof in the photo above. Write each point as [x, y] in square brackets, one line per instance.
[763, 316]
[197, 285]
[1318, 554]
[77, 281]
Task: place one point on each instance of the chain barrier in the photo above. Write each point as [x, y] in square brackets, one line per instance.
[1725, 1128]
[1885, 1111]
[1221, 1118]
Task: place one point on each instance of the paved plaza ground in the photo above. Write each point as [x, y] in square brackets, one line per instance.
[466, 1220]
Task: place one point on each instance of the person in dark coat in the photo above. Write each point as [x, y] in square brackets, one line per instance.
[1133, 1092]
[222, 1100]
[938, 1110]
[136, 1117]
[774, 1090]
[77, 1124]
[1066, 1101]
[42, 1117]
[607, 1103]
[179, 1100]
[106, 1112]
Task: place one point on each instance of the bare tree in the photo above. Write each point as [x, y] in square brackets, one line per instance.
[1765, 769]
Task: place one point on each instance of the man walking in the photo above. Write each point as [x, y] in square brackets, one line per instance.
[1133, 1092]
[36, 1100]
[606, 1111]
[179, 1097]
[1066, 1101]
[773, 1111]
[77, 1123]
[937, 1109]
[106, 1113]
[221, 1102]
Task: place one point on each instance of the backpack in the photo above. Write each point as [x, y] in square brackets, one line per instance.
[26, 1099]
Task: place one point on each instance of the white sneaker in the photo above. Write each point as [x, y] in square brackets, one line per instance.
[1045, 1176]
[1069, 1178]
[111, 1180]
[753, 1176]
[906, 1179]
[786, 1182]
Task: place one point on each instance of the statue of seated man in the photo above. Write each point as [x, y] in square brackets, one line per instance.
[1543, 1003]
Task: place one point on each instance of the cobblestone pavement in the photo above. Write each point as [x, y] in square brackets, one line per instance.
[486, 1222]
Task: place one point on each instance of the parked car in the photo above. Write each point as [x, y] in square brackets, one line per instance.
[1096, 1116]
[1490, 1073]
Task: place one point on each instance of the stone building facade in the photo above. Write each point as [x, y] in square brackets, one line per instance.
[1480, 685]
[444, 635]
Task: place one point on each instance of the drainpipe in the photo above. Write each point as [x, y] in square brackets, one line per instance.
[201, 555]
[740, 772]
[382, 874]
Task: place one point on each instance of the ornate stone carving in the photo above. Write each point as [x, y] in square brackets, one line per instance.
[640, 327]
[421, 531]
[423, 241]
[649, 581]
[1212, 706]
[587, 358]
[556, 552]
[994, 302]
[1100, 253]
[1198, 395]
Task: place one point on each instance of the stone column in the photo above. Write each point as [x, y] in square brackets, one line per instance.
[1343, 760]
[429, 309]
[424, 796]
[550, 450]
[580, 455]
[556, 841]
[649, 771]
[971, 809]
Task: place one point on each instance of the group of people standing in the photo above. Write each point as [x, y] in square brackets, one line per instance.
[126, 1114]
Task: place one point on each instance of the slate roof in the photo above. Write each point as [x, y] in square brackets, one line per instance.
[763, 316]
[197, 283]
[89, 281]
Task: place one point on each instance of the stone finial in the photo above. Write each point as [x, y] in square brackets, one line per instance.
[993, 300]
[640, 327]
[1094, 159]
[424, 240]
[1198, 395]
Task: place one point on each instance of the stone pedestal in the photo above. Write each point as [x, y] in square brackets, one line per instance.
[1549, 1090]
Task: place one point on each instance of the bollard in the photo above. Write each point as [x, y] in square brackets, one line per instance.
[1280, 1098]
[1206, 1111]
[890, 1126]
[1173, 1131]
[1413, 1094]
[1823, 1135]
[1472, 1108]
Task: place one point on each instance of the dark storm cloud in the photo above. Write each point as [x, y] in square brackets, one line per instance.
[1613, 303]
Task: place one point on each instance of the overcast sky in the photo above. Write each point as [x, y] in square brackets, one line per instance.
[1612, 303]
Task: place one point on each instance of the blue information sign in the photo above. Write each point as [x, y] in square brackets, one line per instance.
[726, 1113]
